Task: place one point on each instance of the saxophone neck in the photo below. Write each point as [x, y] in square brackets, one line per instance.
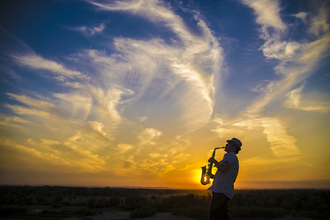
[217, 149]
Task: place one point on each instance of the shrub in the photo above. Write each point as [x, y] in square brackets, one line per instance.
[86, 212]
[11, 210]
[101, 203]
[257, 212]
[146, 211]
[56, 206]
[195, 211]
[133, 202]
[114, 202]
[91, 202]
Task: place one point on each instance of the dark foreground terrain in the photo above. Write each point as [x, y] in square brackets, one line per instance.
[55, 202]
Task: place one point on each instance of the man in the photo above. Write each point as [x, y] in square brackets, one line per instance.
[223, 184]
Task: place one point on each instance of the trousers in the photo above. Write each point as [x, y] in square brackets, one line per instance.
[219, 207]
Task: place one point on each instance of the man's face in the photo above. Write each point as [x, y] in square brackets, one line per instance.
[230, 147]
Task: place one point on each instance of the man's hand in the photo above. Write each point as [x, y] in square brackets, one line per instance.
[222, 167]
[212, 160]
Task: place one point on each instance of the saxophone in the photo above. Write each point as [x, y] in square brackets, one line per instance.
[207, 171]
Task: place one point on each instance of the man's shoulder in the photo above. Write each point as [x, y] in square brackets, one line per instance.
[231, 158]
[231, 154]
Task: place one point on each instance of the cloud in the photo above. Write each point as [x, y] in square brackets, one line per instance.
[186, 68]
[153, 158]
[302, 16]
[27, 111]
[154, 10]
[119, 5]
[319, 25]
[65, 117]
[28, 58]
[143, 118]
[124, 147]
[32, 102]
[148, 135]
[98, 127]
[157, 155]
[282, 144]
[81, 104]
[50, 142]
[6, 119]
[149, 162]
[89, 31]
[37, 150]
[75, 104]
[37, 62]
[268, 14]
[297, 60]
[128, 164]
[312, 102]
[107, 101]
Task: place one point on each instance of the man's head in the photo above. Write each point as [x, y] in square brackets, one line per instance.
[233, 145]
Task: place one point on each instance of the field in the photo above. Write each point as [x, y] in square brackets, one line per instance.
[73, 203]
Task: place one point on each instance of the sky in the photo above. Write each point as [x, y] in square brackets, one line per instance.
[138, 93]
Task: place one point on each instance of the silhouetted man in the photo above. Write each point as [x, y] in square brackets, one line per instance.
[223, 184]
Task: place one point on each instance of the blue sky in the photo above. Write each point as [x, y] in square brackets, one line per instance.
[117, 92]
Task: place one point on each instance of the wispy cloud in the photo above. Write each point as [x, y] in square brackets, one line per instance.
[124, 147]
[148, 135]
[309, 102]
[302, 16]
[296, 62]
[89, 31]
[98, 127]
[119, 5]
[61, 72]
[27, 111]
[31, 101]
[187, 68]
[319, 25]
[268, 14]
[6, 118]
[282, 145]
[77, 104]
[78, 139]
[89, 162]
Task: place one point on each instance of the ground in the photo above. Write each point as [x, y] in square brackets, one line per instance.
[159, 216]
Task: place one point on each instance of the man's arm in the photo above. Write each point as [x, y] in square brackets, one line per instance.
[222, 167]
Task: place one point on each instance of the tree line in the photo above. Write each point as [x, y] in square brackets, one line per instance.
[266, 204]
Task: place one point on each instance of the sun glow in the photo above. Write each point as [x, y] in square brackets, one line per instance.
[197, 176]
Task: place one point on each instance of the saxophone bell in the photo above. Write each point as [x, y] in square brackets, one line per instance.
[205, 179]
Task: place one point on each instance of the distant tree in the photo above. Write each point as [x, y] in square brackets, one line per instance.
[91, 202]
[146, 211]
[101, 203]
[58, 197]
[31, 199]
[114, 202]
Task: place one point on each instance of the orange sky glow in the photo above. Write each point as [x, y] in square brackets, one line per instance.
[139, 93]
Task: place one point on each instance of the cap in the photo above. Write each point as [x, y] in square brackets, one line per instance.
[237, 142]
